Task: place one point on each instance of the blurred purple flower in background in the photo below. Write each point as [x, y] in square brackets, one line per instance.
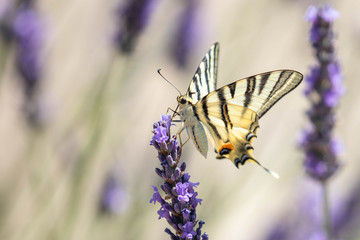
[28, 29]
[132, 18]
[187, 33]
[324, 89]
[345, 216]
[178, 207]
[114, 197]
[6, 17]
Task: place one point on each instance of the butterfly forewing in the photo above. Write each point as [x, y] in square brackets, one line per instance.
[205, 77]
[258, 93]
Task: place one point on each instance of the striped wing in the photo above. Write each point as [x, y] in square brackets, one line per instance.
[231, 113]
[205, 77]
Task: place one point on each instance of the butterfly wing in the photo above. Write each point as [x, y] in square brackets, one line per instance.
[231, 113]
[202, 83]
[205, 77]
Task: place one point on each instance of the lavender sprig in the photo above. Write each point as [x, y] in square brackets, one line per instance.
[132, 18]
[28, 30]
[29, 33]
[324, 89]
[187, 33]
[178, 206]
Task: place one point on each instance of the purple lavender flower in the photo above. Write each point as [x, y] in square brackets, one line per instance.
[178, 207]
[187, 33]
[182, 189]
[188, 231]
[28, 29]
[132, 19]
[324, 89]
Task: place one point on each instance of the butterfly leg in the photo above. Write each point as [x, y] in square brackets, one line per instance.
[170, 109]
[186, 141]
[179, 134]
[182, 144]
[175, 112]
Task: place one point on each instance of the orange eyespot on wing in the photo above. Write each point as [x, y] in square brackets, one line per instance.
[225, 149]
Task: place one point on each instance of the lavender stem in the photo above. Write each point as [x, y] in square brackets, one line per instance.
[326, 211]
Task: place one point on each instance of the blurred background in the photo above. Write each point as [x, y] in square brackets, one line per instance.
[79, 93]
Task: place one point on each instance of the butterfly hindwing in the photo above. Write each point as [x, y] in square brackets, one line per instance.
[198, 136]
[232, 129]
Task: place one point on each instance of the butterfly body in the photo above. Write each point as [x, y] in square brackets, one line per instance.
[191, 121]
[229, 116]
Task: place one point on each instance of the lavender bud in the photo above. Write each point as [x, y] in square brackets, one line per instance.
[183, 166]
[173, 191]
[158, 172]
[168, 171]
[177, 208]
[170, 160]
[177, 173]
[166, 188]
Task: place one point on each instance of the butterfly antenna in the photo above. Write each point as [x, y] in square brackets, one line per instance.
[274, 174]
[168, 81]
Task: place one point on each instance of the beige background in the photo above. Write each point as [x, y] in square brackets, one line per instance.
[50, 181]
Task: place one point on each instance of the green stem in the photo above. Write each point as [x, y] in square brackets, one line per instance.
[326, 211]
[4, 52]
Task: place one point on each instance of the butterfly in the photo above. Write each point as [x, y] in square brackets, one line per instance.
[229, 116]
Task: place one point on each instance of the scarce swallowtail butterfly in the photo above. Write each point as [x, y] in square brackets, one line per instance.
[229, 116]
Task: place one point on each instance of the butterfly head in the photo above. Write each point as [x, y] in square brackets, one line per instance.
[186, 107]
[184, 101]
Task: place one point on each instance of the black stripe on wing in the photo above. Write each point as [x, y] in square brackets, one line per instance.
[208, 121]
[263, 79]
[249, 90]
[224, 109]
